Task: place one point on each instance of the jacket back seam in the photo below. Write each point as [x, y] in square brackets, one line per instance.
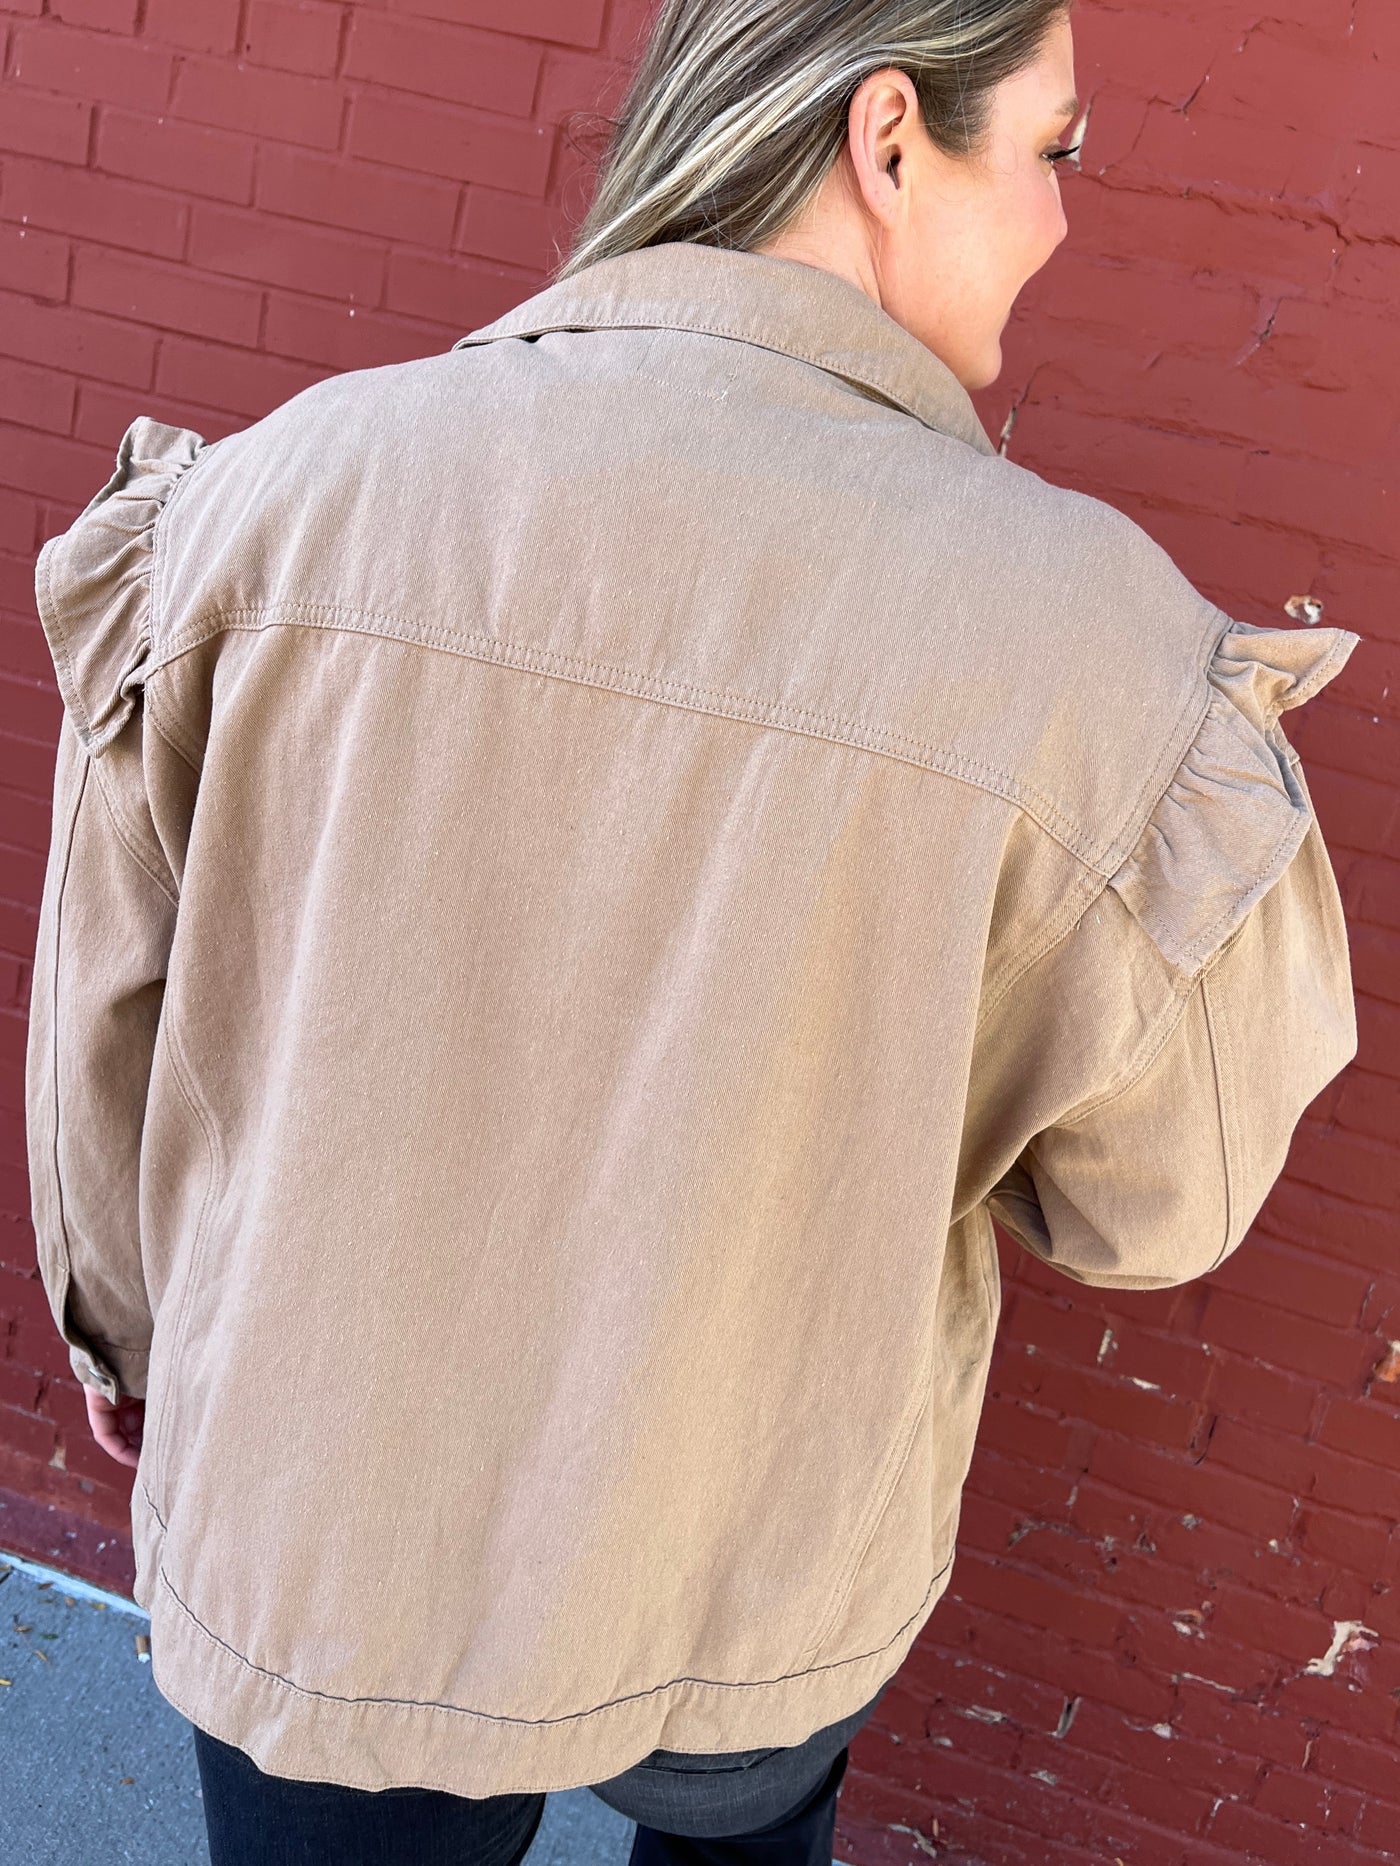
[500, 651]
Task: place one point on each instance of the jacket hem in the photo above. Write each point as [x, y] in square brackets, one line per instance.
[378, 1742]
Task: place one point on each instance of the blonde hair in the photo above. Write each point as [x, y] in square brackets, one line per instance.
[738, 108]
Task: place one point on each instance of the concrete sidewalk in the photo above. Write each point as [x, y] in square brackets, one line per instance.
[99, 1769]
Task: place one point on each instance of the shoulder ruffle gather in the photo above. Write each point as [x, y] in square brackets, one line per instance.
[1234, 812]
[92, 583]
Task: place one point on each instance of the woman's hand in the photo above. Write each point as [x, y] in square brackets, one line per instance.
[117, 1428]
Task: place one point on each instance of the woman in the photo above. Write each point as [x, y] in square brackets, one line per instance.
[586, 869]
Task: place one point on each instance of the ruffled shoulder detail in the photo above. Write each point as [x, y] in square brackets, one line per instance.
[92, 583]
[1235, 811]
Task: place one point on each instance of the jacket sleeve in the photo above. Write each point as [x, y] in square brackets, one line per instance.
[106, 920]
[1218, 962]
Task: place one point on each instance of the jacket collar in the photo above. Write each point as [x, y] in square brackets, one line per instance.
[800, 310]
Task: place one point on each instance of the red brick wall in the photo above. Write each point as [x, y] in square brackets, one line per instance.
[1180, 1500]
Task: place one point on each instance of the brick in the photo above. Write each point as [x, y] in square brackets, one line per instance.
[1369, 1767]
[1283, 1634]
[26, 1434]
[193, 25]
[102, 412]
[1246, 85]
[1168, 228]
[103, 15]
[36, 123]
[1337, 1161]
[282, 252]
[168, 297]
[1325, 499]
[1281, 1277]
[1250, 1730]
[1372, 893]
[340, 337]
[159, 149]
[1375, 961]
[1378, 1041]
[1115, 1403]
[1308, 1801]
[1256, 1395]
[19, 1389]
[1046, 1442]
[1369, 1105]
[389, 203]
[1183, 1802]
[1023, 1484]
[1206, 1490]
[1037, 1600]
[19, 923]
[1067, 1332]
[1355, 812]
[97, 67]
[1294, 163]
[1354, 1699]
[232, 381]
[568, 22]
[1378, 1826]
[1292, 1343]
[1248, 568]
[1150, 53]
[503, 226]
[35, 397]
[1158, 1644]
[304, 37]
[60, 468]
[19, 521]
[1344, 1543]
[256, 102]
[93, 206]
[461, 295]
[1364, 1429]
[1135, 462]
[1350, 1483]
[34, 262]
[1365, 274]
[464, 145]
[459, 66]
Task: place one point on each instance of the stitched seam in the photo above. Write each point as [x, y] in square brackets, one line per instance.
[900, 1453]
[1318, 678]
[64, 1239]
[1056, 930]
[826, 363]
[206, 1127]
[125, 837]
[1201, 945]
[743, 1684]
[967, 770]
[1216, 1029]
[119, 1346]
[168, 730]
[1188, 724]
[1138, 1070]
[181, 471]
[48, 604]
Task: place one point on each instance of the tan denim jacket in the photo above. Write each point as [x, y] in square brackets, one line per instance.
[587, 868]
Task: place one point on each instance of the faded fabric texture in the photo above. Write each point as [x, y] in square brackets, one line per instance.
[586, 868]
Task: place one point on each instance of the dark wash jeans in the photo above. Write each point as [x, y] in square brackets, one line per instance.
[747, 1807]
